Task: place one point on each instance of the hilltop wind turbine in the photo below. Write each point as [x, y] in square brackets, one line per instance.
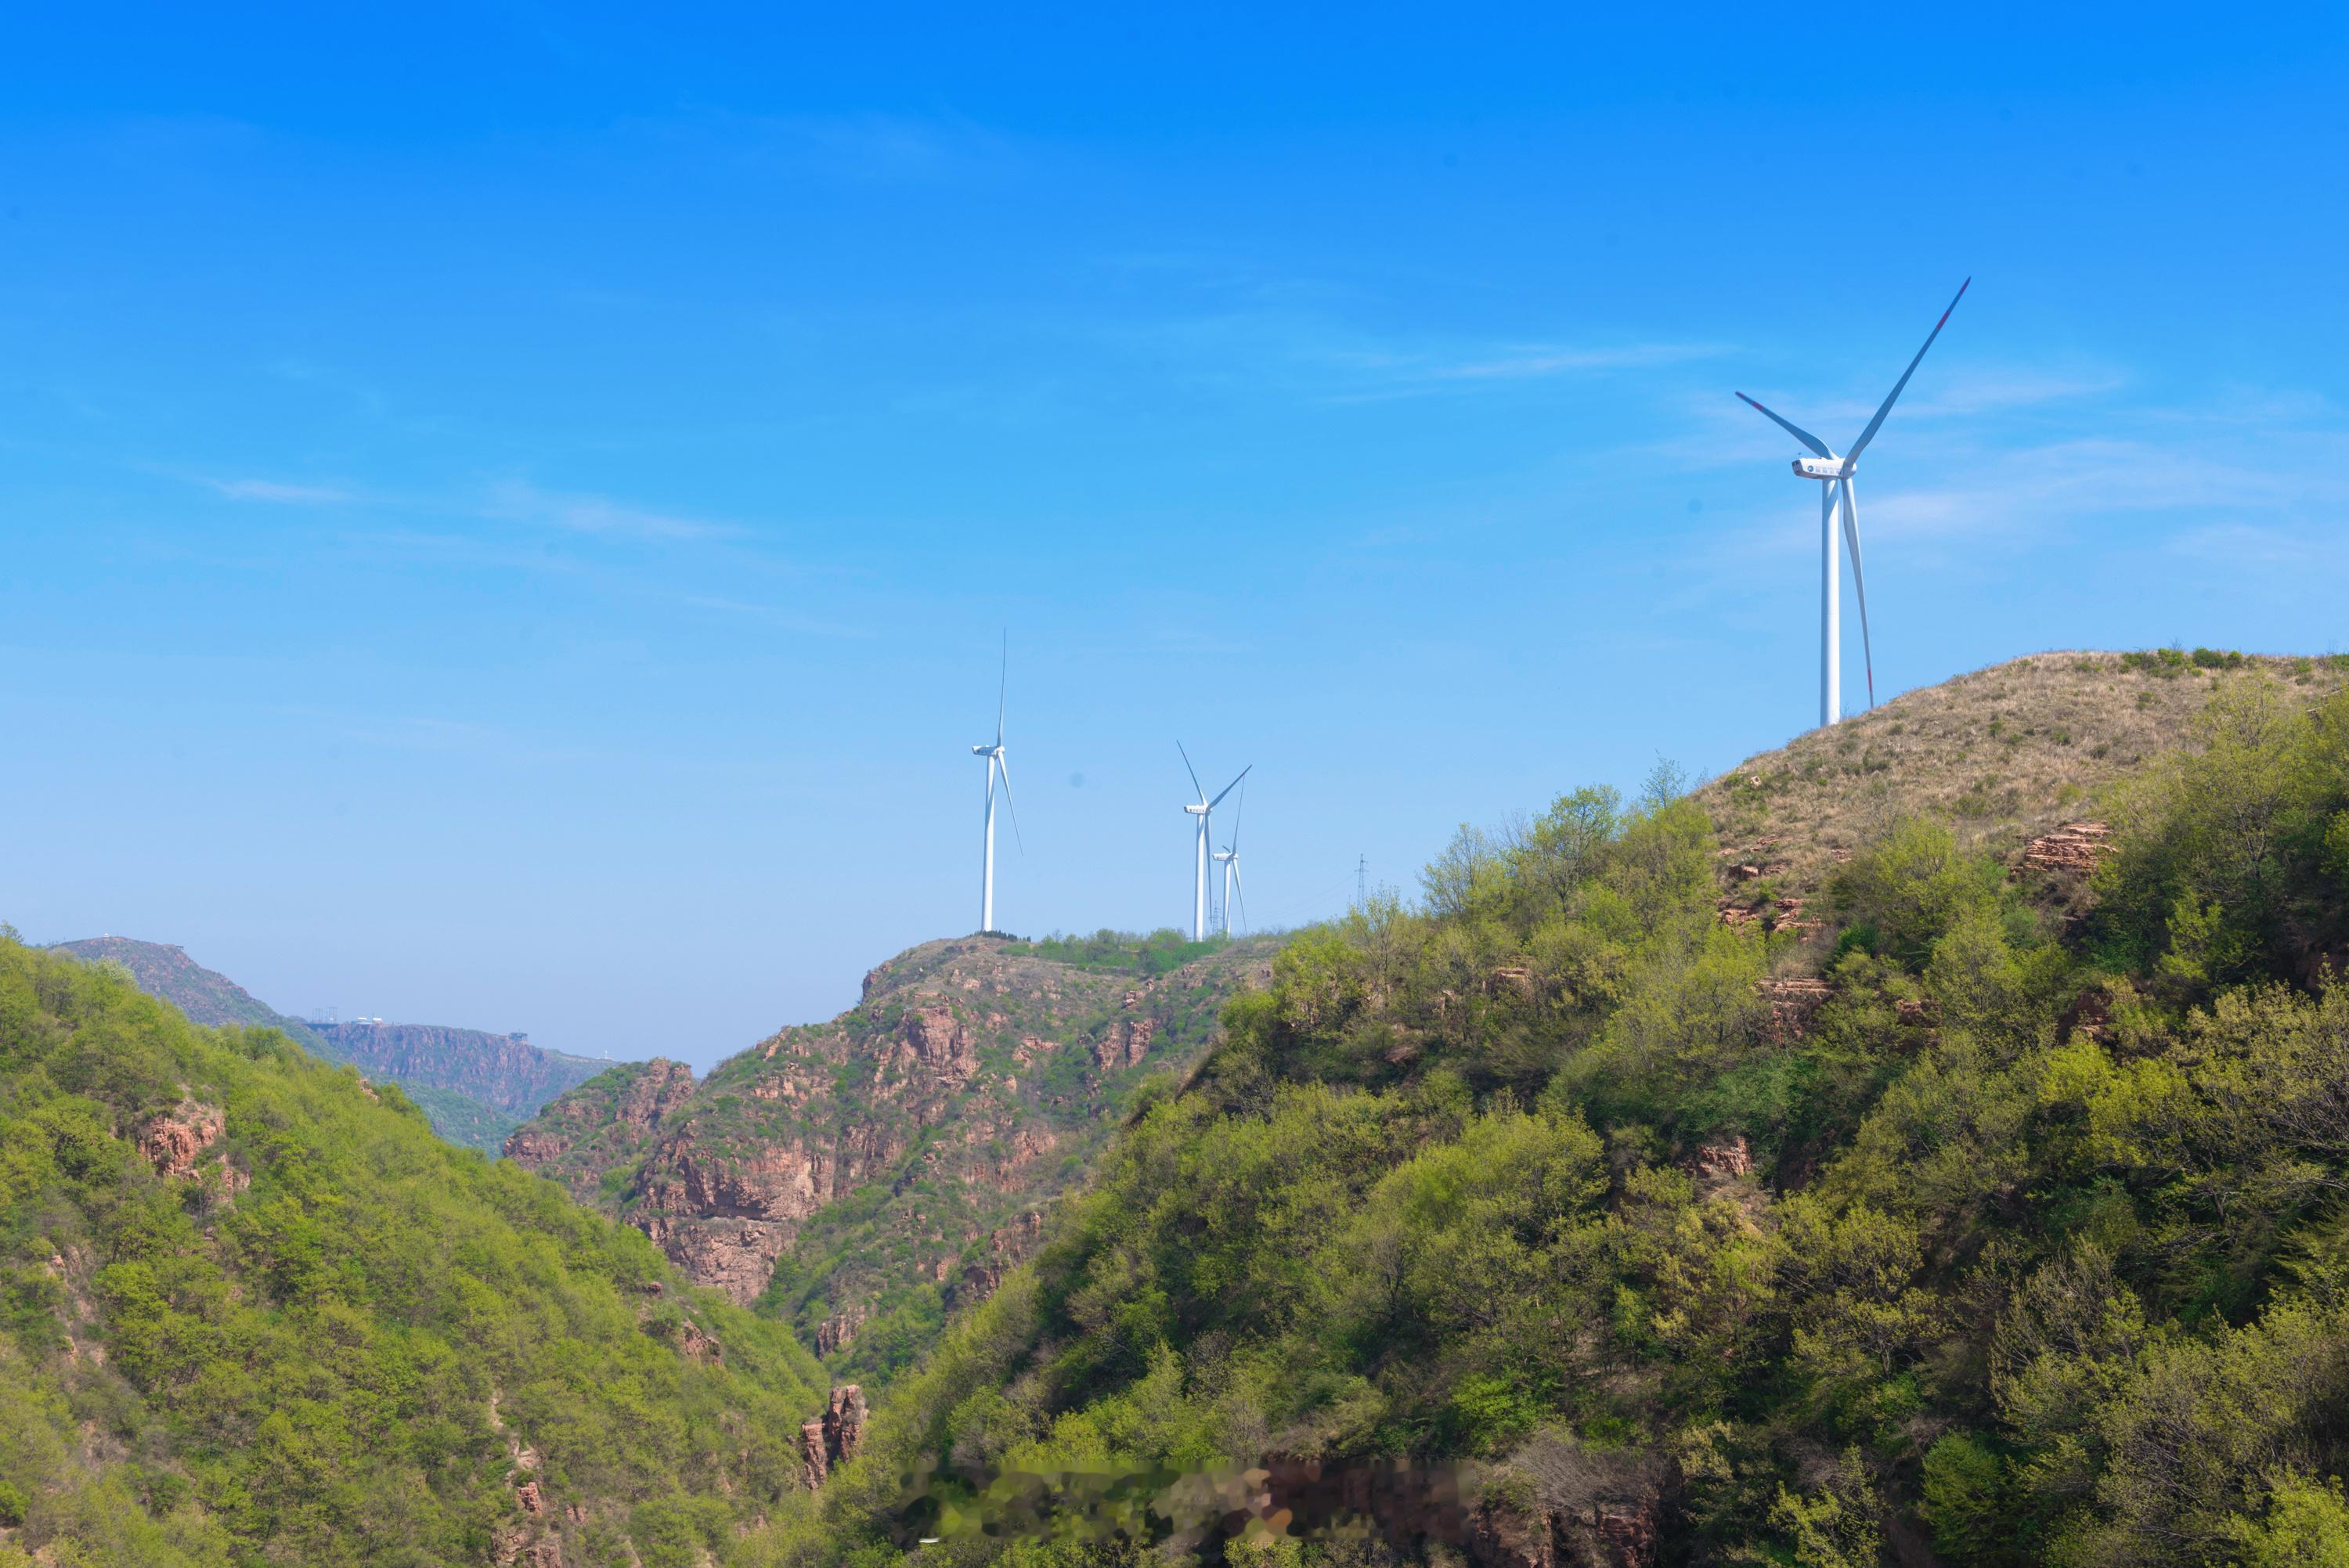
[1203, 811]
[1836, 496]
[996, 763]
[1228, 857]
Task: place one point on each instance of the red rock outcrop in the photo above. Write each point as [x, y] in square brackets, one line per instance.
[1502, 1535]
[1792, 1004]
[844, 1422]
[1123, 1043]
[946, 1083]
[2071, 849]
[699, 1345]
[173, 1143]
[1561, 1505]
[735, 1256]
[832, 1437]
[838, 1332]
[815, 1462]
[1722, 1162]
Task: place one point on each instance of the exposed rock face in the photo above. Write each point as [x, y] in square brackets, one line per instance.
[1572, 1508]
[1502, 1535]
[502, 1070]
[604, 1123]
[815, 1462]
[939, 1043]
[844, 1423]
[523, 1546]
[1792, 1006]
[952, 1103]
[832, 1437]
[2072, 850]
[1123, 1043]
[737, 1256]
[838, 1332]
[699, 1345]
[173, 1143]
[1722, 1162]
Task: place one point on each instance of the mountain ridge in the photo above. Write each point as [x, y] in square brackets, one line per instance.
[1944, 1184]
[862, 1176]
[475, 1086]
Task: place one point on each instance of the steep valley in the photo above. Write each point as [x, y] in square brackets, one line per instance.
[864, 1176]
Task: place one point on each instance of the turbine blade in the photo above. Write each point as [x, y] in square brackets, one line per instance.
[1868, 435]
[1005, 763]
[1002, 685]
[1858, 580]
[1239, 811]
[1229, 787]
[1796, 431]
[1191, 770]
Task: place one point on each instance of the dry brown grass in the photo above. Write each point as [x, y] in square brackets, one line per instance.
[2001, 755]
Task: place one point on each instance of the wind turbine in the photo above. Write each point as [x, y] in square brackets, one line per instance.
[1836, 496]
[1203, 811]
[1228, 857]
[996, 763]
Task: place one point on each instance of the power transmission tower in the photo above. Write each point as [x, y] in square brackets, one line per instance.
[1362, 882]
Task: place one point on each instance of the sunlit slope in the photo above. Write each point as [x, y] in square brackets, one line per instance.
[1983, 1215]
[257, 1312]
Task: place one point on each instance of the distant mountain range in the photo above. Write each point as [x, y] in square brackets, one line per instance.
[477, 1087]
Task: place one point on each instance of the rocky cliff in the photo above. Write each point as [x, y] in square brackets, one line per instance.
[502, 1070]
[868, 1174]
[601, 1127]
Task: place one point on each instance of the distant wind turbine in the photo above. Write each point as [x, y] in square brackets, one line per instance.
[1228, 857]
[1203, 811]
[1834, 475]
[996, 763]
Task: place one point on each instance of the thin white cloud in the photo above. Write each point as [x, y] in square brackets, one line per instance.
[280, 493]
[1532, 363]
[858, 149]
[775, 616]
[2250, 544]
[580, 513]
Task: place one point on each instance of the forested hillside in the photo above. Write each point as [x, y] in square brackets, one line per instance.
[1989, 1207]
[253, 1310]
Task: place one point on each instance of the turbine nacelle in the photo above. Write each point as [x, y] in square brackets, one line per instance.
[1821, 467]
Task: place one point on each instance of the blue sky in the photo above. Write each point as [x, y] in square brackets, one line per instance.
[510, 510]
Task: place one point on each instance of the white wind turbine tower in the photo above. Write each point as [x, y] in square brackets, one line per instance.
[1836, 496]
[995, 763]
[1228, 857]
[1203, 811]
